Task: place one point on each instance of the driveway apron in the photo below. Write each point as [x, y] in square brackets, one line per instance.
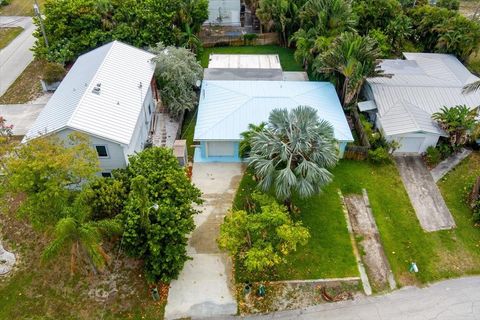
[205, 285]
[431, 210]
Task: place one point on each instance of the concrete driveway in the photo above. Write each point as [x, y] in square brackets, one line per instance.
[15, 57]
[431, 210]
[22, 116]
[205, 286]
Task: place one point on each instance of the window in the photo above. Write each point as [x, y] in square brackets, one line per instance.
[106, 174]
[102, 151]
[149, 109]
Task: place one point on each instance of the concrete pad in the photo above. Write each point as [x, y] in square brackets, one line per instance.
[448, 164]
[22, 116]
[295, 76]
[205, 285]
[243, 74]
[431, 210]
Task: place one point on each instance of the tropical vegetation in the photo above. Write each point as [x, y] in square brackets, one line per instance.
[459, 122]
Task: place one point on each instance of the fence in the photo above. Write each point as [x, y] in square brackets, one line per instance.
[359, 128]
[236, 39]
[353, 152]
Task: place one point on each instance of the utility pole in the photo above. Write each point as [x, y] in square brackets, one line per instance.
[36, 9]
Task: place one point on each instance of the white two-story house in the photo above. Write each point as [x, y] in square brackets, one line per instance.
[110, 95]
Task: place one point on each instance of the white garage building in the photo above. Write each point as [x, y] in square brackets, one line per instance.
[402, 105]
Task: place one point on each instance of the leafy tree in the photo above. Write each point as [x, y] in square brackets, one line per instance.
[384, 42]
[399, 29]
[349, 61]
[293, 153]
[274, 13]
[45, 170]
[375, 14]
[158, 214]
[177, 73]
[321, 22]
[105, 197]
[74, 27]
[262, 240]
[458, 121]
[245, 145]
[82, 236]
[448, 4]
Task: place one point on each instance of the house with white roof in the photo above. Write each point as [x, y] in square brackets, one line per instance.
[109, 94]
[227, 107]
[417, 87]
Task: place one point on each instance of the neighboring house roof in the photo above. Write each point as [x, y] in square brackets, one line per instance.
[226, 108]
[244, 61]
[112, 113]
[404, 117]
[425, 81]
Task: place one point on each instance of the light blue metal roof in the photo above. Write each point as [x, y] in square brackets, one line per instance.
[226, 108]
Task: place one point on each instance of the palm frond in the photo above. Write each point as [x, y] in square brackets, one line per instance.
[472, 87]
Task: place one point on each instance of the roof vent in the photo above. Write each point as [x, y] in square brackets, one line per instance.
[96, 89]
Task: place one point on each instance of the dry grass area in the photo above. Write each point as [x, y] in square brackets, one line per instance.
[19, 8]
[36, 290]
[27, 86]
[8, 34]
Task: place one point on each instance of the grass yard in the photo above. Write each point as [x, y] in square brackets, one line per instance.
[27, 86]
[8, 34]
[20, 8]
[439, 255]
[286, 54]
[328, 253]
[188, 129]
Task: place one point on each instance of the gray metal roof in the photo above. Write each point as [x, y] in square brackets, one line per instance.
[242, 74]
[425, 81]
[112, 113]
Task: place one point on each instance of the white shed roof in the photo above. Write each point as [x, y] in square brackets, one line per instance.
[124, 74]
[244, 61]
[425, 81]
[226, 108]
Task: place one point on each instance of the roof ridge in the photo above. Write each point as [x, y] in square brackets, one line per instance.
[113, 43]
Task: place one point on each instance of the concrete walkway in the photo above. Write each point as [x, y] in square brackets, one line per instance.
[448, 164]
[205, 285]
[431, 210]
[15, 57]
[457, 299]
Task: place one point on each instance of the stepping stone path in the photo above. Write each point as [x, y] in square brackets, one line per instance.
[7, 261]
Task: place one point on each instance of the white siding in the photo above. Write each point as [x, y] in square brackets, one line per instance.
[426, 139]
[115, 159]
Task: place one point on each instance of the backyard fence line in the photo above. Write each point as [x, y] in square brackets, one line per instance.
[353, 152]
[237, 40]
[359, 128]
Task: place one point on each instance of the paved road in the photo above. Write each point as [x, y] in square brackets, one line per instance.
[457, 299]
[426, 199]
[17, 55]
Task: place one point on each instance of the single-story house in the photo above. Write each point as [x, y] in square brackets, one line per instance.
[403, 103]
[227, 107]
[110, 95]
[224, 13]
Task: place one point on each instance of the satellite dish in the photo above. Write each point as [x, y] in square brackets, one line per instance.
[198, 83]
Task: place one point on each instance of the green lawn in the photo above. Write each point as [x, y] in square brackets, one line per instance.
[188, 129]
[20, 8]
[439, 255]
[286, 55]
[328, 253]
[8, 34]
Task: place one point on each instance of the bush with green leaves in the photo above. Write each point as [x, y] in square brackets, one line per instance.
[53, 72]
[379, 155]
[448, 4]
[158, 215]
[375, 14]
[458, 122]
[263, 239]
[383, 40]
[177, 73]
[432, 155]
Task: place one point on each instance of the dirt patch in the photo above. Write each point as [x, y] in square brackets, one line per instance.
[281, 296]
[366, 232]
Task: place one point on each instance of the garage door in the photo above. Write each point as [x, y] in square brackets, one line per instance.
[410, 145]
[220, 149]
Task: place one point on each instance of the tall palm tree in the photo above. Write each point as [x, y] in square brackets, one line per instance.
[293, 153]
[472, 87]
[459, 121]
[83, 237]
[246, 144]
[349, 62]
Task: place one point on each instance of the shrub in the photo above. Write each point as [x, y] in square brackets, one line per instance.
[382, 40]
[448, 4]
[53, 72]
[433, 155]
[445, 149]
[379, 155]
[249, 38]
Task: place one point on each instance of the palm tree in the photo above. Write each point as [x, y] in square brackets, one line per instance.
[398, 30]
[472, 87]
[458, 121]
[349, 62]
[293, 153]
[83, 237]
[246, 144]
